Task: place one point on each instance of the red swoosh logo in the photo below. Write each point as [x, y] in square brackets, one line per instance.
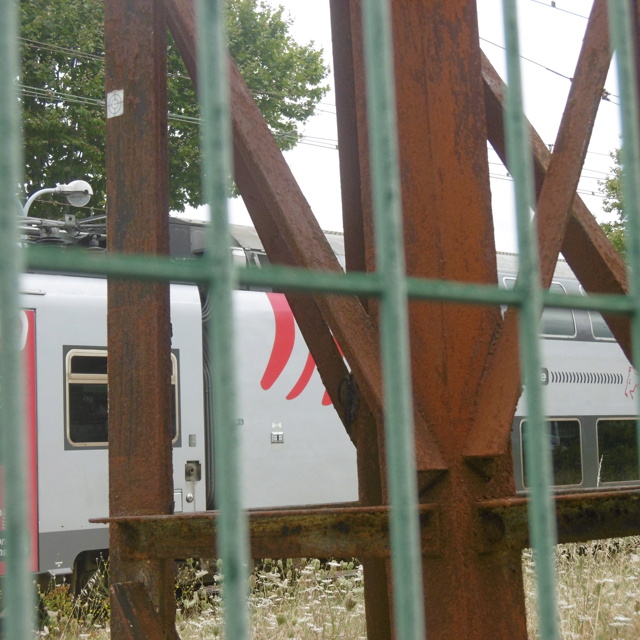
[282, 342]
[304, 378]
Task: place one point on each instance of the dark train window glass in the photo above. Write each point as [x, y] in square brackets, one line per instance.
[599, 327]
[566, 451]
[87, 404]
[618, 450]
[554, 322]
[89, 364]
[557, 322]
[88, 413]
[263, 259]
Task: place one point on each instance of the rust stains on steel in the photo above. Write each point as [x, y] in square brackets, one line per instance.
[580, 516]
[332, 532]
[355, 531]
[291, 235]
[449, 100]
[134, 615]
[346, 28]
[500, 391]
[448, 231]
[139, 340]
[595, 262]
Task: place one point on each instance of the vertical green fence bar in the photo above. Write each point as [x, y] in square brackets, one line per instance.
[620, 25]
[233, 545]
[398, 398]
[542, 526]
[17, 594]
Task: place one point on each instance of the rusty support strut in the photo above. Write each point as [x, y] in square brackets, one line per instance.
[139, 338]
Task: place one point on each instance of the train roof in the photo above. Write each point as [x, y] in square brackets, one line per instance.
[509, 262]
[188, 239]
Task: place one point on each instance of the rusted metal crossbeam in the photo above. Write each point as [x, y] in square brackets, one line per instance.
[291, 235]
[449, 102]
[501, 388]
[343, 532]
[355, 531]
[580, 517]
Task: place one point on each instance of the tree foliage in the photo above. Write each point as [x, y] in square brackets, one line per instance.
[613, 203]
[62, 91]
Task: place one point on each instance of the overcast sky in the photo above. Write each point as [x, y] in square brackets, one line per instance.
[550, 42]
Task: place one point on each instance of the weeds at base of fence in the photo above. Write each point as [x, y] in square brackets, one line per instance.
[302, 599]
[598, 590]
[598, 598]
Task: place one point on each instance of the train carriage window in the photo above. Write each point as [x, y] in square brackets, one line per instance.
[555, 323]
[618, 450]
[86, 399]
[566, 451]
[599, 327]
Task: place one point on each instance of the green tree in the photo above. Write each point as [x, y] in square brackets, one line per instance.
[62, 92]
[613, 203]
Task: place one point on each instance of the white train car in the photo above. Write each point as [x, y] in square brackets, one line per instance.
[589, 391]
[294, 448]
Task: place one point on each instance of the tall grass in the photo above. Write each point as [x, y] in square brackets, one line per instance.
[305, 600]
[302, 599]
[598, 590]
[598, 587]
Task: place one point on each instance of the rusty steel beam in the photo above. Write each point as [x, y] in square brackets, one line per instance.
[501, 387]
[588, 251]
[355, 187]
[580, 517]
[323, 533]
[330, 363]
[133, 613]
[570, 148]
[449, 235]
[352, 133]
[291, 235]
[355, 531]
[139, 341]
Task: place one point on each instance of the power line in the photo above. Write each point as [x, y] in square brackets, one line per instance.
[606, 95]
[68, 52]
[554, 6]
[281, 96]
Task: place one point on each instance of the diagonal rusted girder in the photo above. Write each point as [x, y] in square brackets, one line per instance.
[501, 386]
[586, 248]
[291, 235]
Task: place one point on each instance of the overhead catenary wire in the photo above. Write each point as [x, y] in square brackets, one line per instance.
[552, 5]
[307, 140]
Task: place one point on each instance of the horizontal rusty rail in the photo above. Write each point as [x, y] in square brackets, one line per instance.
[348, 531]
[580, 516]
[308, 532]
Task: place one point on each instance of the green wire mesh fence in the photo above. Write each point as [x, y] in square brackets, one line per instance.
[388, 283]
